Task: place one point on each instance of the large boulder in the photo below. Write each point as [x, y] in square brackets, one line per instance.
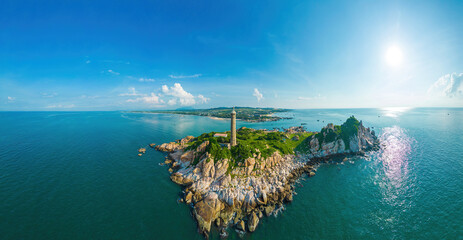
[179, 179]
[186, 140]
[314, 144]
[187, 157]
[269, 209]
[249, 164]
[221, 168]
[252, 222]
[206, 211]
[168, 147]
[202, 146]
[208, 169]
[241, 226]
[289, 197]
[188, 197]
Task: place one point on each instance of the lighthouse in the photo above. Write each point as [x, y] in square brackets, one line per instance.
[233, 128]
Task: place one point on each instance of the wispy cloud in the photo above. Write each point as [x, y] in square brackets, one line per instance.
[258, 95]
[61, 106]
[185, 76]
[146, 80]
[449, 85]
[113, 72]
[305, 98]
[132, 92]
[89, 97]
[88, 61]
[275, 94]
[11, 99]
[49, 95]
[203, 99]
[151, 99]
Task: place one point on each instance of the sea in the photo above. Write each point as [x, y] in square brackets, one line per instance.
[77, 175]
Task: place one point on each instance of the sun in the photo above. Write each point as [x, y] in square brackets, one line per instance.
[394, 56]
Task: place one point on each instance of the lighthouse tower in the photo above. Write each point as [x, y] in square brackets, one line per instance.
[233, 128]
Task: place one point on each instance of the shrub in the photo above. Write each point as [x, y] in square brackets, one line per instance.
[241, 152]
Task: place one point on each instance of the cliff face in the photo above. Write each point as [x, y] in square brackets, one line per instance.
[221, 192]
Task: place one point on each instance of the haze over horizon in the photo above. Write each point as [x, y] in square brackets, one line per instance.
[109, 55]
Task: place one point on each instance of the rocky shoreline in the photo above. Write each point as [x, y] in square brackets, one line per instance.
[239, 196]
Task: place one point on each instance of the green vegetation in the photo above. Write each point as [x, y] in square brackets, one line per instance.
[344, 132]
[243, 113]
[253, 142]
[250, 142]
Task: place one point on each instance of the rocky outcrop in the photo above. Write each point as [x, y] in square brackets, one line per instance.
[168, 147]
[206, 211]
[238, 196]
[174, 146]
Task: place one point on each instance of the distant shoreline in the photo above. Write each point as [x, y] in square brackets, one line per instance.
[218, 118]
[246, 114]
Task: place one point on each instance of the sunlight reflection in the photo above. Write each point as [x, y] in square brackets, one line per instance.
[394, 156]
[394, 112]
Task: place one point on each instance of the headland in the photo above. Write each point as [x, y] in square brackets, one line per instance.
[236, 185]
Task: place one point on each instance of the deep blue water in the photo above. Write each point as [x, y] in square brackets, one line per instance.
[76, 175]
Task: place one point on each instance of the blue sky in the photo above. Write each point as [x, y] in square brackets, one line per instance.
[123, 55]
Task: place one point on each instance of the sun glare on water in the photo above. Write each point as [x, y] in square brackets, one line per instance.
[394, 56]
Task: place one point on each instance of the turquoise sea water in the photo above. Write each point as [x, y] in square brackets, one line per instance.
[76, 175]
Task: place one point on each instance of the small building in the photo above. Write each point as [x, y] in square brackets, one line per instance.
[220, 135]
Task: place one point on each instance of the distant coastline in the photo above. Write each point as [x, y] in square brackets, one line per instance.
[247, 114]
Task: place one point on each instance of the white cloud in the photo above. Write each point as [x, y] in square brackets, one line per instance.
[151, 99]
[87, 62]
[132, 92]
[113, 72]
[177, 91]
[146, 79]
[449, 85]
[203, 99]
[257, 94]
[185, 76]
[11, 99]
[180, 95]
[165, 89]
[172, 101]
[173, 95]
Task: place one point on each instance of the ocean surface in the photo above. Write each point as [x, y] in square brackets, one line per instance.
[76, 175]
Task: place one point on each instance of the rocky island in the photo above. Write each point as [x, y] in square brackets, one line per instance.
[236, 182]
[247, 114]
